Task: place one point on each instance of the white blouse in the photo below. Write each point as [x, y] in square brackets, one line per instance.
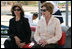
[51, 32]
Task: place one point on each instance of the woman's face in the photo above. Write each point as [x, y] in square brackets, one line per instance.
[17, 11]
[45, 12]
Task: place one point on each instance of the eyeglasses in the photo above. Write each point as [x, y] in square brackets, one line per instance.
[17, 9]
[43, 10]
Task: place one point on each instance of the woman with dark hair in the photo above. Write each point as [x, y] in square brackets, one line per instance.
[19, 28]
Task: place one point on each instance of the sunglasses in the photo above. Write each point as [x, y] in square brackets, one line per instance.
[43, 10]
[17, 9]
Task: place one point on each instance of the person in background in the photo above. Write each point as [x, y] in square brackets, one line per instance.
[35, 15]
[48, 31]
[31, 17]
[35, 19]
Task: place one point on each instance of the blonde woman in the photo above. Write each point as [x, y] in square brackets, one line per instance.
[48, 31]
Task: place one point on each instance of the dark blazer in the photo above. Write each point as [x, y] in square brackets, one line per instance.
[60, 18]
[21, 29]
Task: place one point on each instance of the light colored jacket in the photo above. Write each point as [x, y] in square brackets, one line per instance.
[51, 32]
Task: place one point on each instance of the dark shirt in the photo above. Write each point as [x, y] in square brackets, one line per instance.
[20, 29]
[58, 12]
[60, 18]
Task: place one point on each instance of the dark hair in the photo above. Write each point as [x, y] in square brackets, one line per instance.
[35, 14]
[17, 5]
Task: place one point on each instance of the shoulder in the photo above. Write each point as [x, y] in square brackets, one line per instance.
[11, 20]
[25, 19]
[39, 22]
[56, 20]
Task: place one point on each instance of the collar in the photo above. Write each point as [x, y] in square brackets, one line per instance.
[51, 19]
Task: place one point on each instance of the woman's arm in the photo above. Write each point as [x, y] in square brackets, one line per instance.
[58, 33]
[18, 42]
[37, 33]
[11, 31]
[27, 30]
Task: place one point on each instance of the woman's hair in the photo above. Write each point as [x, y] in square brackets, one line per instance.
[17, 5]
[49, 6]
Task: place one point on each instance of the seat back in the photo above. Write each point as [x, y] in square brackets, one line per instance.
[61, 42]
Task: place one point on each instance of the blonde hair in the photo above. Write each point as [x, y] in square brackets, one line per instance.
[49, 6]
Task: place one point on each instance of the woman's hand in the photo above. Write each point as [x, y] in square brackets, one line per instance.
[42, 42]
[21, 44]
[17, 40]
